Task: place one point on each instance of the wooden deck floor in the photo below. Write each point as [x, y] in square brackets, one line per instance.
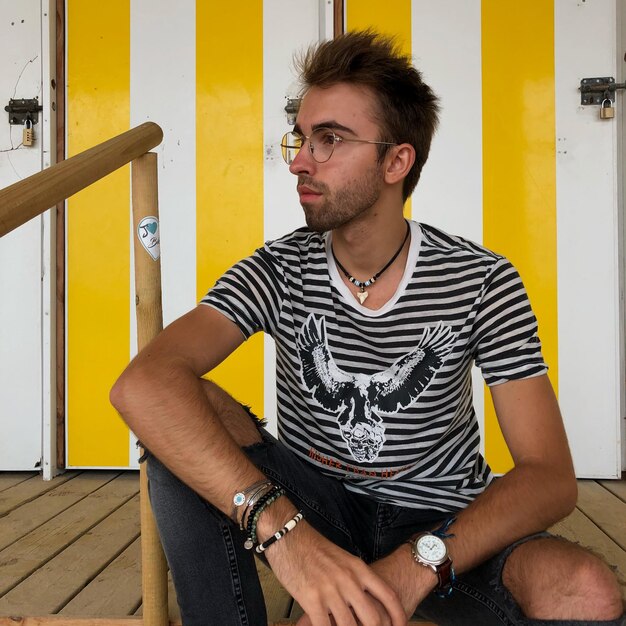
[71, 546]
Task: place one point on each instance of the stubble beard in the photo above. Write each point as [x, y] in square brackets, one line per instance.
[344, 205]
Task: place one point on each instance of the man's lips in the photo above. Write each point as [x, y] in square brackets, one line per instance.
[306, 193]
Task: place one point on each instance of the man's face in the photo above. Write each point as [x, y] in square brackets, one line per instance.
[349, 184]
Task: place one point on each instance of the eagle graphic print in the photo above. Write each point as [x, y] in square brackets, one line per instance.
[358, 400]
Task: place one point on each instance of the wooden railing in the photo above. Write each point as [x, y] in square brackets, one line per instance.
[37, 193]
[34, 195]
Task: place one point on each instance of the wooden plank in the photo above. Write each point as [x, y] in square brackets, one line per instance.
[52, 586]
[27, 554]
[581, 530]
[616, 487]
[604, 509]
[22, 520]
[115, 592]
[10, 479]
[28, 490]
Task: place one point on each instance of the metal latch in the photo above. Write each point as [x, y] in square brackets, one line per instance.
[22, 109]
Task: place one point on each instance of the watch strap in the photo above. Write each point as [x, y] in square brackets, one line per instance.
[444, 574]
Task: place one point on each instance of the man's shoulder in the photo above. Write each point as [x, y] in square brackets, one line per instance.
[437, 240]
[300, 241]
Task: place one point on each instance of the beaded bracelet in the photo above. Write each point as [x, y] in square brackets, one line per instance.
[252, 536]
[253, 518]
[247, 523]
[290, 525]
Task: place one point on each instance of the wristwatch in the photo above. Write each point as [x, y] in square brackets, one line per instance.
[431, 551]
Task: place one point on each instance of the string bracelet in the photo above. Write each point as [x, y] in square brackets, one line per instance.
[253, 518]
[278, 535]
[442, 533]
[247, 494]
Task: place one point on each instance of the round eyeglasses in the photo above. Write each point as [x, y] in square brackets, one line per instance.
[322, 142]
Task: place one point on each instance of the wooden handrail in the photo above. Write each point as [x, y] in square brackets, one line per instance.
[28, 198]
[32, 196]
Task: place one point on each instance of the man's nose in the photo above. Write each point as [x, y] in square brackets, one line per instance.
[304, 163]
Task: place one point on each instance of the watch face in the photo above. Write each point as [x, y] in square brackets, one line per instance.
[431, 549]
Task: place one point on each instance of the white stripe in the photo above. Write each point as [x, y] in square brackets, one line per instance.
[587, 231]
[449, 193]
[282, 210]
[163, 90]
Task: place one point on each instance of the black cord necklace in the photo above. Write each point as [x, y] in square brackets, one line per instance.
[362, 294]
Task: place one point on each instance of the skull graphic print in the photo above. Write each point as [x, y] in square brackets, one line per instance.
[358, 400]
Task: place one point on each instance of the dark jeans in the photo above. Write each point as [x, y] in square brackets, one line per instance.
[215, 577]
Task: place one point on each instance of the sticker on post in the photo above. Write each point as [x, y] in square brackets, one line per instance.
[148, 233]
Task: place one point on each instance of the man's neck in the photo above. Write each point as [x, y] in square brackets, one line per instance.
[364, 247]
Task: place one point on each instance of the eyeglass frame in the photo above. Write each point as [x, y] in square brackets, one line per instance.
[336, 139]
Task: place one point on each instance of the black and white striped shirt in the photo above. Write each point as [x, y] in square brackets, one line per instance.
[383, 399]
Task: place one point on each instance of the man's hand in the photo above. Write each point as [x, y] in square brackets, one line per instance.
[332, 586]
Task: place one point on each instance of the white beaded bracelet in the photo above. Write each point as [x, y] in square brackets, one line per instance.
[290, 525]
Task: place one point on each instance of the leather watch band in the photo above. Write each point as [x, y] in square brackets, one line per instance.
[444, 573]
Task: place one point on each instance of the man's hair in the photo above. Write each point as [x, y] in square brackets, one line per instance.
[407, 107]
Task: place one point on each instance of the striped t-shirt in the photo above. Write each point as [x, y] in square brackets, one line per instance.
[383, 399]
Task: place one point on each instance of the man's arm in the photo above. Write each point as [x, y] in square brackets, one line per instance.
[161, 397]
[537, 492]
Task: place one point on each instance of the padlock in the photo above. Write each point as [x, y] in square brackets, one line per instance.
[607, 111]
[28, 135]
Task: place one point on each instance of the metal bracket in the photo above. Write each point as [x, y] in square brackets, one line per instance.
[23, 109]
[597, 90]
[293, 105]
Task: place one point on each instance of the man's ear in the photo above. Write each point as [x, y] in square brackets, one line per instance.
[398, 162]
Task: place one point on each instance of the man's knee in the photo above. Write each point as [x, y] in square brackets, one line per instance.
[241, 424]
[553, 579]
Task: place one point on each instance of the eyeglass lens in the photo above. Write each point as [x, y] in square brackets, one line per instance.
[322, 143]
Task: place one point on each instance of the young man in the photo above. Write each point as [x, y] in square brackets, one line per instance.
[377, 322]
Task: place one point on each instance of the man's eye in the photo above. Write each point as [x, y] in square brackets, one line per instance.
[327, 138]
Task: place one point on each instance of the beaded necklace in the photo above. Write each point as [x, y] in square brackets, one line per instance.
[362, 294]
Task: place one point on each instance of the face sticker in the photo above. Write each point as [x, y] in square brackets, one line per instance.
[148, 233]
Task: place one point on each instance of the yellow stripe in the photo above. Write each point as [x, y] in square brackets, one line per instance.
[98, 255]
[519, 175]
[389, 18]
[229, 160]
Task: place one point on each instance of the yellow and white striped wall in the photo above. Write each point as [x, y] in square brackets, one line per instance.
[517, 165]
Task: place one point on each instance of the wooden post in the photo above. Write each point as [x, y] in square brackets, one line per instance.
[149, 324]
